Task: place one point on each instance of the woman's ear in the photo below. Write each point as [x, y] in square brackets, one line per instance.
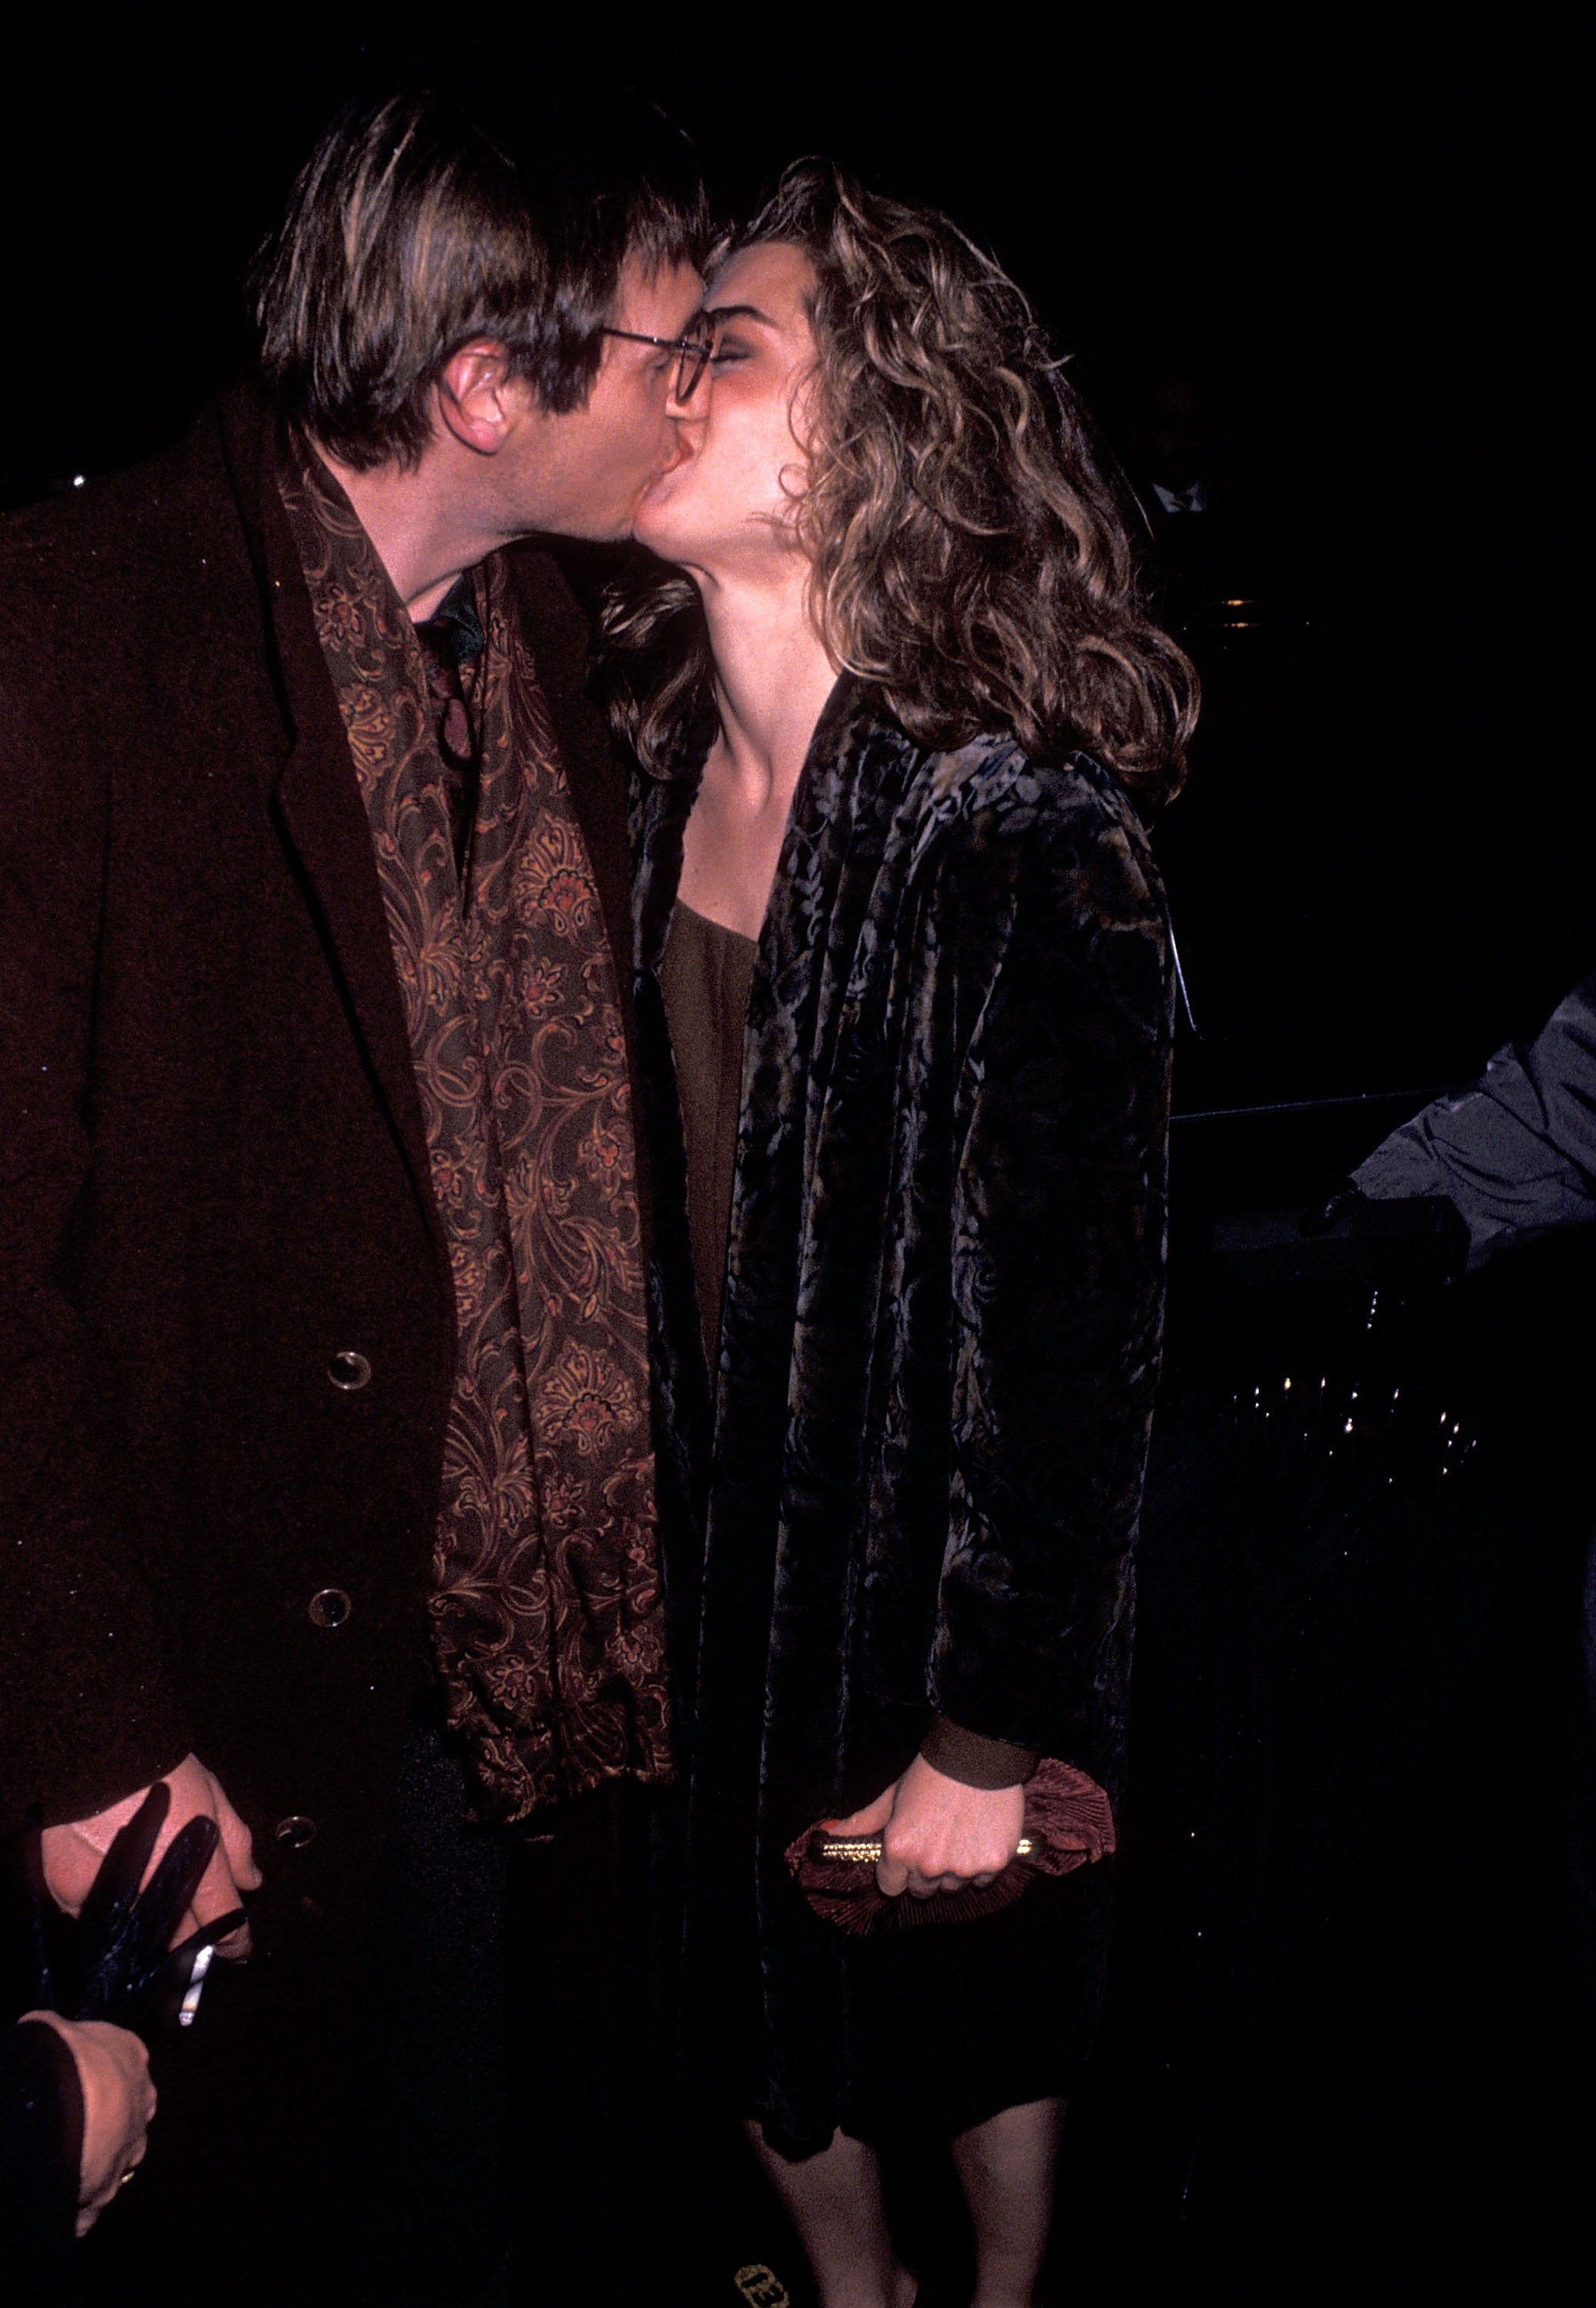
[479, 400]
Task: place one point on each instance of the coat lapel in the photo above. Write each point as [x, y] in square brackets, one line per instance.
[663, 807]
[319, 809]
[821, 906]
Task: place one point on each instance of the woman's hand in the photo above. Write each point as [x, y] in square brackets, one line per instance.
[118, 2103]
[937, 1834]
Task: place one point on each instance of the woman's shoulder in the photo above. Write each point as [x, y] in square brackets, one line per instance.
[992, 812]
[993, 782]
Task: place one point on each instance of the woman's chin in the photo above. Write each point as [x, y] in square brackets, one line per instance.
[657, 523]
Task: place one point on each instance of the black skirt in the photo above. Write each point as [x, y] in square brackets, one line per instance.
[945, 2025]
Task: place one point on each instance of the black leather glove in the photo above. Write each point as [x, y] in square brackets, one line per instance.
[114, 1962]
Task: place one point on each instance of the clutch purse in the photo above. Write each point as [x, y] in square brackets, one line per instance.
[1068, 1823]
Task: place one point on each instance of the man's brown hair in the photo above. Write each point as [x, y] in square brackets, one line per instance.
[418, 223]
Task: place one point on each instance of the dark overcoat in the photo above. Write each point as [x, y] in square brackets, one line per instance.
[216, 1215]
[914, 1485]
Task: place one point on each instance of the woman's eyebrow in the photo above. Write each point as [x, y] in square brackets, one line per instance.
[735, 313]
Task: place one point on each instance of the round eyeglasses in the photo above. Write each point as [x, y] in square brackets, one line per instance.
[695, 352]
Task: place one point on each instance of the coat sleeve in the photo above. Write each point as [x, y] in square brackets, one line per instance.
[1058, 1266]
[1515, 1152]
[86, 1715]
[42, 2136]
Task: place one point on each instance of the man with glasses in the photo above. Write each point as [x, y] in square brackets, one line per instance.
[693, 354]
[325, 1393]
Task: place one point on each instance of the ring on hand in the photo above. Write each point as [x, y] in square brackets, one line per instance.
[127, 2176]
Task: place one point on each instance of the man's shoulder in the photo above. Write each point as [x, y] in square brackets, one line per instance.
[81, 519]
[117, 553]
[136, 604]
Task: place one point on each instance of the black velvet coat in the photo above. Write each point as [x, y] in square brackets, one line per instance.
[913, 1488]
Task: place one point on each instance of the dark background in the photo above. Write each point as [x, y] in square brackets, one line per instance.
[1363, 260]
[1339, 2016]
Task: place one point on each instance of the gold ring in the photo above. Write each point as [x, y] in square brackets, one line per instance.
[127, 2176]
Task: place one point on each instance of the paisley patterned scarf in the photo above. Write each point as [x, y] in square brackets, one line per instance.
[546, 1612]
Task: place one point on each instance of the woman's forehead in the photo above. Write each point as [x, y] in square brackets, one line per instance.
[775, 278]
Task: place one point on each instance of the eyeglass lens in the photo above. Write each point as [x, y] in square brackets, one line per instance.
[689, 370]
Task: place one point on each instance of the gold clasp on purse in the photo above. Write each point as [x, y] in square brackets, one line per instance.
[867, 1848]
[762, 2286]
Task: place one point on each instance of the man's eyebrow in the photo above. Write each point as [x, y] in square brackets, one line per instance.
[735, 313]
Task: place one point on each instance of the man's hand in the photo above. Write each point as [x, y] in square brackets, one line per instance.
[73, 1853]
[118, 2103]
[937, 1834]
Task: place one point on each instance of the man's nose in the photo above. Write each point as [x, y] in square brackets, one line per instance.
[683, 408]
[681, 444]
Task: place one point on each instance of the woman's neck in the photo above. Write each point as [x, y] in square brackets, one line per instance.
[772, 678]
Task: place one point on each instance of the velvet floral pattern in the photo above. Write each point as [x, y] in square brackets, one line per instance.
[546, 1610]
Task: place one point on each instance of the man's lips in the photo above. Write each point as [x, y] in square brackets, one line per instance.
[684, 453]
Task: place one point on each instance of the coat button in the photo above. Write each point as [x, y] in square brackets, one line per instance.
[294, 1832]
[350, 1371]
[329, 1608]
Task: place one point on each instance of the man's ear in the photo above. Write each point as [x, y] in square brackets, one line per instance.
[480, 401]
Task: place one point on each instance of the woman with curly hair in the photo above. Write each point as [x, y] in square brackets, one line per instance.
[903, 1018]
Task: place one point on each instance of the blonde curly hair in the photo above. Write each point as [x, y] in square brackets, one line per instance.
[968, 555]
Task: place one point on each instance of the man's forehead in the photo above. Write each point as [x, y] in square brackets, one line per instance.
[658, 302]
